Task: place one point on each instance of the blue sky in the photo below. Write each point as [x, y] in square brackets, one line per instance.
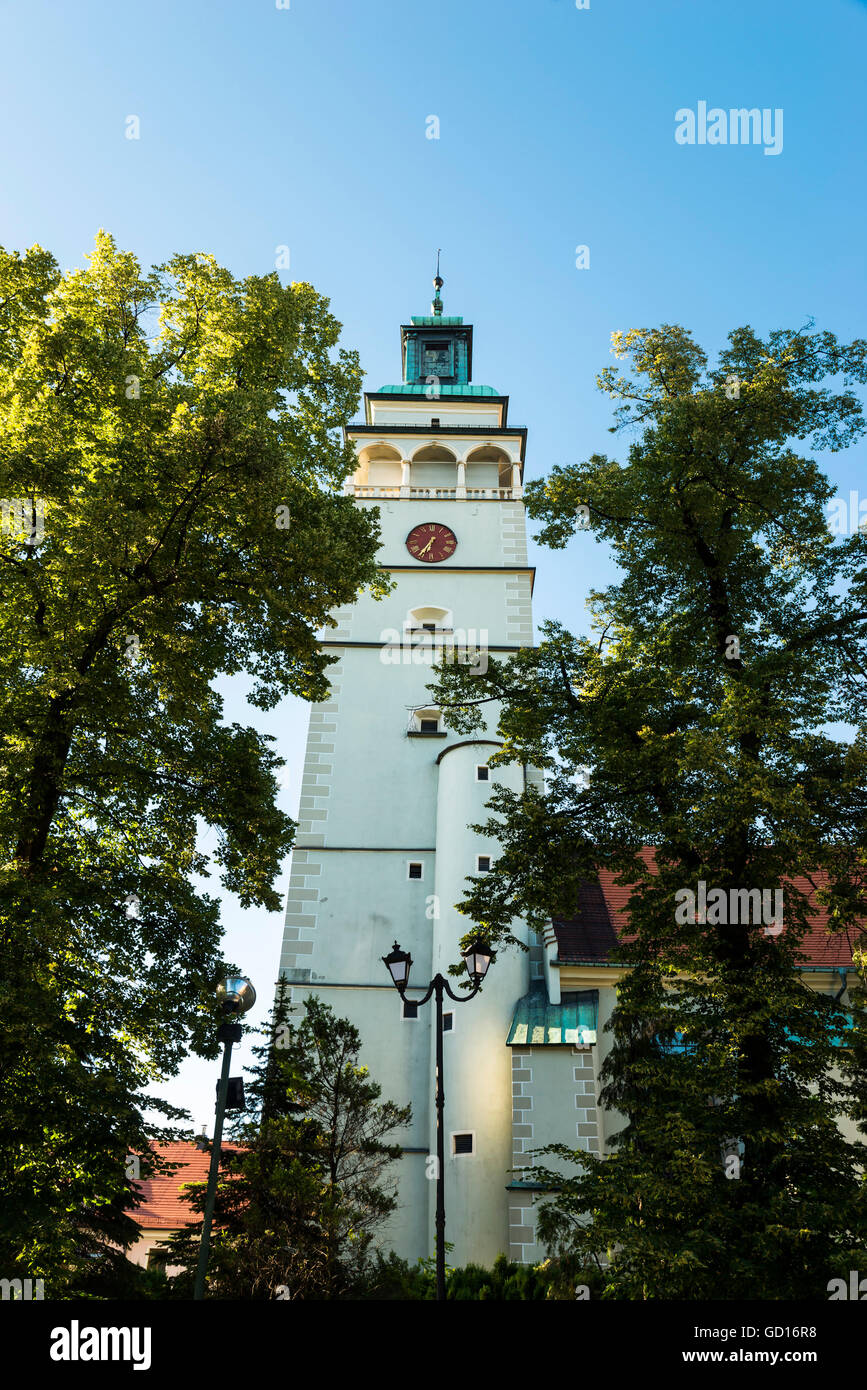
[306, 127]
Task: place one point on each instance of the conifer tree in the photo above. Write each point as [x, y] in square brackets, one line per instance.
[305, 1192]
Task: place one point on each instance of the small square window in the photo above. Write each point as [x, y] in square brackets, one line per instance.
[429, 627]
[482, 772]
[414, 869]
[463, 1143]
[448, 1023]
[435, 423]
[429, 726]
[483, 863]
[410, 1009]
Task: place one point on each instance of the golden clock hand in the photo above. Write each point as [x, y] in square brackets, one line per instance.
[428, 546]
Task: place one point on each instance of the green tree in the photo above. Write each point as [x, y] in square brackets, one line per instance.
[564, 1280]
[707, 708]
[170, 470]
[302, 1197]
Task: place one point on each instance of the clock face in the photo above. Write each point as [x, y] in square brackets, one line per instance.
[431, 542]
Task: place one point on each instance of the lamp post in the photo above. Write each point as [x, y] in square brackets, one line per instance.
[236, 996]
[477, 958]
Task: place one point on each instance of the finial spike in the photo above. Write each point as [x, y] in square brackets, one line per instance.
[437, 306]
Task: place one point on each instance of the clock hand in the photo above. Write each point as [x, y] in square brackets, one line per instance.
[428, 546]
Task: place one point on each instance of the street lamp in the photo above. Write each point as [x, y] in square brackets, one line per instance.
[235, 995]
[477, 958]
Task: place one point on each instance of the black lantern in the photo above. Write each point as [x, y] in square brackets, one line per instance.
[478, 957]
[399, 964]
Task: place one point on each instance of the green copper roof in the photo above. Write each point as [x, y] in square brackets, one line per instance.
[434, 321]
[418, 388]
[539, 1023]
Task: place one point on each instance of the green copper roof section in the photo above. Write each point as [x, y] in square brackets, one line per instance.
[434, 321]
[436, 350]
[416, 388]
[539, 1023]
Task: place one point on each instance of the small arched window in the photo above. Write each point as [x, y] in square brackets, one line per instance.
[426, 721]
[428, 619]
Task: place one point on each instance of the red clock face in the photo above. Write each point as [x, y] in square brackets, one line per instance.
[431, 542]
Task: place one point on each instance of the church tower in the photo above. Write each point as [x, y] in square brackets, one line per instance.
[383, 849]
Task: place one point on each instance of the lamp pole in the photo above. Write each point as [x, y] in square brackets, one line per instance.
[236, 995]
[477, 958]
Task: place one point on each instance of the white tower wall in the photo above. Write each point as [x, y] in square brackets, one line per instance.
[377, 795]
[476, 1063]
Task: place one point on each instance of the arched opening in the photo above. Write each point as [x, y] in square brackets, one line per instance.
[489, 466]
[428, 619]
[434, 466]
[379, 465]
[427, 720]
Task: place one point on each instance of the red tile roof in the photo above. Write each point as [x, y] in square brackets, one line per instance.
[592, 936]
[162, 1206]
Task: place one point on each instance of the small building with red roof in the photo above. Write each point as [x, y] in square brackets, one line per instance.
[164, 1212]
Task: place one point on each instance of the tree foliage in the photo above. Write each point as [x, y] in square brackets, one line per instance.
[170, 466]
[562, 1280]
